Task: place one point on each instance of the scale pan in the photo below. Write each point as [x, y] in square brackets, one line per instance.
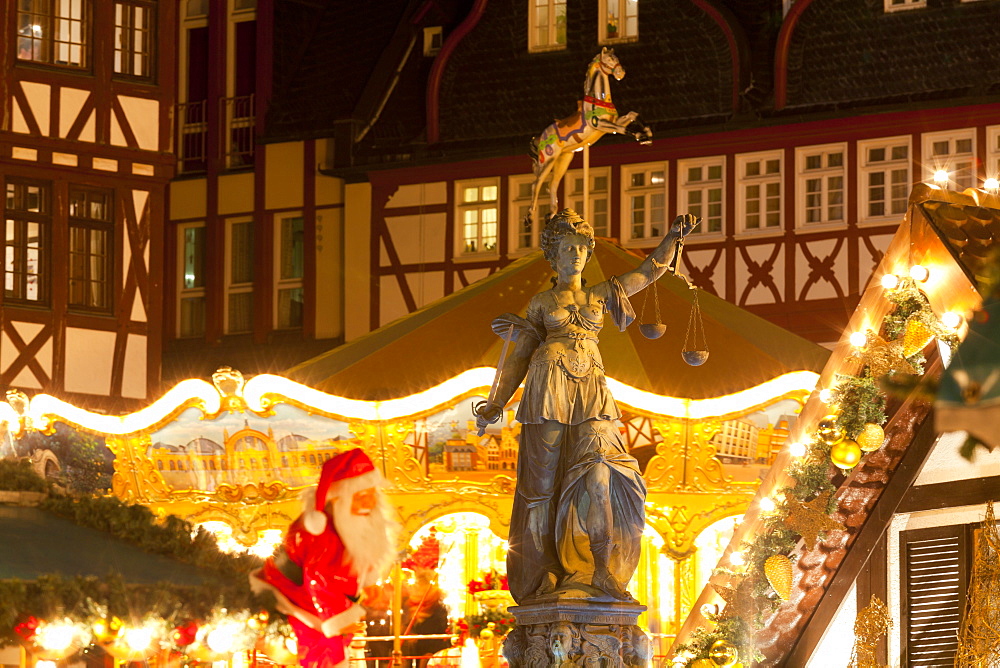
[695, 357]
[652, 331]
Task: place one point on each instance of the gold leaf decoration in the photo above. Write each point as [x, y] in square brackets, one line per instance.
[883, 357]
[870, 625]
[916, 336]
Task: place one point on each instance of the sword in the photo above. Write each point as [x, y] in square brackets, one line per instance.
[496, 379]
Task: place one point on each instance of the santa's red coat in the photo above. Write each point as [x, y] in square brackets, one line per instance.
[323, 602]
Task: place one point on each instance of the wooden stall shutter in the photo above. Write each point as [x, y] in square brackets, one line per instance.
[935, 578]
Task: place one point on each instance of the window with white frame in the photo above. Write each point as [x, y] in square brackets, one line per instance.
[759, 190]
[239, 277]
[546, 25]
[600, 180]
[884, 177]
[525, 231]
[290, 264]
[700, 186]
[897, 5]
[478, 215]
[949, 158]
[644, 200]
[191, 270]
[993, 152]
[821, 183]
[617, 21]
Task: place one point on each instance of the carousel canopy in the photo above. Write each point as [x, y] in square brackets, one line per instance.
[39, 543]
[452, 335]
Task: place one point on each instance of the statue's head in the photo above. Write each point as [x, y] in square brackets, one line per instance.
[561, 225]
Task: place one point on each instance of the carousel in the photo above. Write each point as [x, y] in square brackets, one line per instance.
[230, 456]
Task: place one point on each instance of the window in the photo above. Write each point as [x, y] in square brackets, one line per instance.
[600, 179]
[478, 213]
[896, 5]
[525, 232]
[644, 201]
[91, 248]
[546, 25]
[290, 262]
[197, 8]
[700, 186]
[884, 177]
[238, 110]
[821, 183]
[191, 322]
[951, 153]
[934, 579]
[134, 39]
[53, 31]
[432, 40]
[759, 190]
[993, 152]
[239, 277]
[618, 21]
[28, 222]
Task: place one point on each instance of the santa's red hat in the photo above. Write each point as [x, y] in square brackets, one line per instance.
[346, 465]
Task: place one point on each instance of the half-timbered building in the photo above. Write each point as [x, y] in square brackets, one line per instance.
[85, 158]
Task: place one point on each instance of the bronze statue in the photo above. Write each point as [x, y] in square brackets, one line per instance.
[578, 507]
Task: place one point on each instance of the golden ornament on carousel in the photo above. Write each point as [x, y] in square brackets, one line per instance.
[778, 571]
[871, 437]
[845, 454]
[722, 653]
[828, 431]
[916, 336]
[106, 629]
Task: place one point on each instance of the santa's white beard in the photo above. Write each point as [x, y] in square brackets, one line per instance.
[369, 540]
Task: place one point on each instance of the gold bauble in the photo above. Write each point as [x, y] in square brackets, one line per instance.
[280, 649]
[871, 437]
[846, 454]
[702, 663]
[778, 571]
[832, 438]
[916, 336]
[106, 630]
[723, 654]
[826, 426]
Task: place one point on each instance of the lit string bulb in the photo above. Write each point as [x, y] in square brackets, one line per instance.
[826, 395]
[952, 320]
[858, 339]
[767, 504]
[941, 178]
[919, 273]
[991, 184]
[890, 281]
[797, 449]
[736, 558]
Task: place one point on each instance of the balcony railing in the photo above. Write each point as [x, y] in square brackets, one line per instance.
[192, 130]
[238, 117]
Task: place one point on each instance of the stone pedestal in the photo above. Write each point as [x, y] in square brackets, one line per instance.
[560, 634]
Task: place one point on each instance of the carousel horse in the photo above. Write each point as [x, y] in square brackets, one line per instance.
[552, 151]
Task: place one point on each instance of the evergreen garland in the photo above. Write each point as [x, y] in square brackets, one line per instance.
[861, 401]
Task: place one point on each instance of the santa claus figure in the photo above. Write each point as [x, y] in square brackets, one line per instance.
[342, 542]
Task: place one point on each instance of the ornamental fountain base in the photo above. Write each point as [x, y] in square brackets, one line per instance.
[564, 633]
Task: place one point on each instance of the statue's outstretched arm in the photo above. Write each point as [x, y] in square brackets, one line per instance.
[663, 256]
[513, 368]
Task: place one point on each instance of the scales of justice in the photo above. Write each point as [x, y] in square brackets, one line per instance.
[578, 511]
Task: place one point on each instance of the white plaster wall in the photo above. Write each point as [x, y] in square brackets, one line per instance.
[419, 194]
[821, 249]
[417, 238]
[134, 376]
[760, 294]
[144, 118]
[945, 464]
[834, 648]
[89, 356]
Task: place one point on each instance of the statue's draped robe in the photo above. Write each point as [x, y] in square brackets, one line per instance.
[559, 472]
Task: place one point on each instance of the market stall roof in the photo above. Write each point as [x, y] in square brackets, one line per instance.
[452, 335]
[956, 236]
[36, 543]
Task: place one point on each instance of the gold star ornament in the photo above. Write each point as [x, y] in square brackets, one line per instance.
[740, 601]
[809, 519]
